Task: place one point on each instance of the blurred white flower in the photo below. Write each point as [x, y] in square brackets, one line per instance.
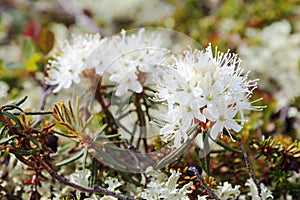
[265, 192]
[202, 86]
[138, 11]
[227, 192]
[274, 59]
[3, 89]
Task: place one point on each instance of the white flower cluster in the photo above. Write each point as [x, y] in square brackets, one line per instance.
[198, 86]
[163, 187]
[124, 57]
[265, 192]
[226, 191]
[274, 58]
[202, 86]
[113, 184]
[137, 11]
[66, 67]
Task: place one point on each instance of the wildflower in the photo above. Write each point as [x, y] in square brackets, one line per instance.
[113, 184]
[135, 55]
[203, 87]
[265, 192]
[162, 187]
[81, 177]
[226, 191]
[126, 58]
[65, 68]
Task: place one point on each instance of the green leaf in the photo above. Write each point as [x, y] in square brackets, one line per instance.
[22, 152]
[14, 118]
[225, 146]
[5, 140]
[69, 160]
[28, 48]
[31, 64]
[101, 155]
[17, 103]
[174, 155]
[205, 161]
[11, 107]
[15, 65]
[35, 141]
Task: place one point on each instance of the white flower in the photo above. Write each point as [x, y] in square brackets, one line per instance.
[226, 191]
[113, 184]
[202, 197]
[130, 60]
[162, 187]
[222, 116]
[265, 192]
[202, 86]
[127, 80]
[65, 68]
[81, 177]
[135, 56]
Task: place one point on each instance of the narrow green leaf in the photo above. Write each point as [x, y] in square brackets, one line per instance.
[42, 112]
[11, 107]
[206, 158]
[174, 155]
[17, 103]
[227, 147]
[35, 141]
[94, 169]
[67, 126]
[69, 160]
[14, 118]
[101, 155]
[5, 140]
[22, 152]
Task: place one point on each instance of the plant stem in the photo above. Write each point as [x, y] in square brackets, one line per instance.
[248, 165]
[142, 122]
[199, 177]
[46, 91]
[65, 181]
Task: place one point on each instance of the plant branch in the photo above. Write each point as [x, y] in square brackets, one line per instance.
[248, 165]
[142, 122]
[199, 177]
[46, 91]
[65, 181]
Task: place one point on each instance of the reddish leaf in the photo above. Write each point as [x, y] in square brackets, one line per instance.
[45, 40]
[32, 29]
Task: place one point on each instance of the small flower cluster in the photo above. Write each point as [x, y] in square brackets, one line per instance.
[163, 187]
[264, 194]
[65, 68]
[202, 87]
